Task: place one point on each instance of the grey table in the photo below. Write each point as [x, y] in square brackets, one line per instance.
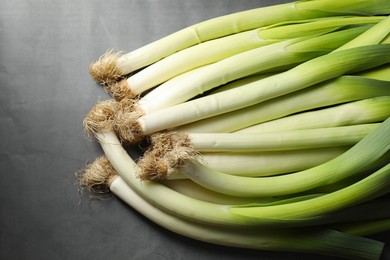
[45, 50]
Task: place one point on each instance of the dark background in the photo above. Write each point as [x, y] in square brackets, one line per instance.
[45, 92]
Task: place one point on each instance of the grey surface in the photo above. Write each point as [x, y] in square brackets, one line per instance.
[45, 50]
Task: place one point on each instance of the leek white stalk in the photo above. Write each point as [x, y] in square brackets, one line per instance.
[249, 164]
[112, 66]
[250, 154]
[314, 240]
[260, 164]
[221, 48]
[358, 112]
[362, 155]
[200, 80]
[340, 90]
[284, 140]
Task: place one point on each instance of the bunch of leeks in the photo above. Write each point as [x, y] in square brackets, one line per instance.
[266, 129]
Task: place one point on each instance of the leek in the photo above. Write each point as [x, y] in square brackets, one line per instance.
[340, 90]
[250, 154]
[257, 164]
[250, 164]
[366, 152]
[113, 66]
[283, 140]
